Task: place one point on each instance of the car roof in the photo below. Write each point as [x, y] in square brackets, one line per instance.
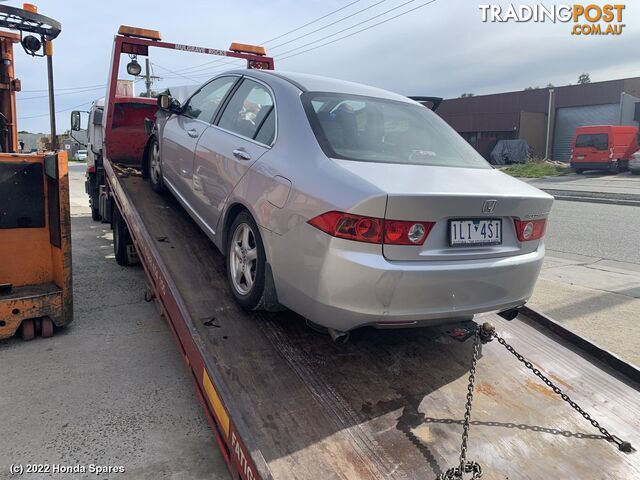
[317, 83]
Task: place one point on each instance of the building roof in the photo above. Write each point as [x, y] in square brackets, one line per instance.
[500, 111]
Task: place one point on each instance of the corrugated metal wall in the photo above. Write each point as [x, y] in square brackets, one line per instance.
[568, 118]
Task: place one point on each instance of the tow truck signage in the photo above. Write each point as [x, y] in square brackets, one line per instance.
[242, 459]
[191, 48]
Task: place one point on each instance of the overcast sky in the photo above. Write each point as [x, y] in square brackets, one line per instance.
[440, 49]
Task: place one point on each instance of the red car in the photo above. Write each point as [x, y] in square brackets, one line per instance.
[603, 147]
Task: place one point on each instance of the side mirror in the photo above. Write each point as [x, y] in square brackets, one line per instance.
[75, 121]
[168, 103]
[164, 101]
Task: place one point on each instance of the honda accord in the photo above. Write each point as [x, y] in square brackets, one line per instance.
[348, 204]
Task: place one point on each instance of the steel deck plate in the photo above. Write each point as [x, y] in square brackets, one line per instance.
[389, 404]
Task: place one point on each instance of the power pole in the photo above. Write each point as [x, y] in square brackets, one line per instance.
[550, 122]
[147, 75]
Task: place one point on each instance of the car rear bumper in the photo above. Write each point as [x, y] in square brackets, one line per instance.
[349, 286]
[591, 165]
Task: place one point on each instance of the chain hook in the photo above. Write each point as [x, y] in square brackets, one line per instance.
[481, 335]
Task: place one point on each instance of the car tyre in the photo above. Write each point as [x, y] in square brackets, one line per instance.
[121, 239]
[95, 210]
[155, 166]
[246, 262]
[615, 167]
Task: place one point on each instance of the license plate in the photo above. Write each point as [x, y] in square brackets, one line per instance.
[475, 232]
[580, 157]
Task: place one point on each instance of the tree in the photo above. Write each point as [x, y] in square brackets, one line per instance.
[583, 79]
[467, 95]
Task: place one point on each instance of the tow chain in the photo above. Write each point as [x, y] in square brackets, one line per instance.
[623, 445]
[474, 468]
[484, 334]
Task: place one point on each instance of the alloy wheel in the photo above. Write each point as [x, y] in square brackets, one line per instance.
[243, 259]
[155, 163]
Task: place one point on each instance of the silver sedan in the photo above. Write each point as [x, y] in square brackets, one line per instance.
[348, 204]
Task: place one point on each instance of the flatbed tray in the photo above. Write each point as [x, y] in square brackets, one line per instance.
[389, 404]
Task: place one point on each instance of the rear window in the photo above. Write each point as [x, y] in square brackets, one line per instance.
[367, 129]
[599, 141]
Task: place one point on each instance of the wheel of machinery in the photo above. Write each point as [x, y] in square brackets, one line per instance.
[155, 166]
[46, 327]
[28, 329]
[95, 210]
[246, 262]
[121, 239]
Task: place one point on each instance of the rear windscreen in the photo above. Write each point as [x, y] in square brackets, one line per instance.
[599, 141]
[367, 129]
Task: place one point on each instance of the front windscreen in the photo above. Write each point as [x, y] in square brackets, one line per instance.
[367, 129]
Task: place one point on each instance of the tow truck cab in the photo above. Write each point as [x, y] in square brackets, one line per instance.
[95, 135]
[603, 147]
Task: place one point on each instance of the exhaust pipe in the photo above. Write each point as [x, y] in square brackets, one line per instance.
[338, 337]
[510, 314]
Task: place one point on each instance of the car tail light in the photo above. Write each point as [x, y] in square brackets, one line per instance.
[351, 227]
[371, 229]
[530, 229]
[398, 232]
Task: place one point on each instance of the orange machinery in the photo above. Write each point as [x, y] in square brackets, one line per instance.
[35, 238]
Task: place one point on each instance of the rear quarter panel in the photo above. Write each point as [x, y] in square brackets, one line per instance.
[296, 168]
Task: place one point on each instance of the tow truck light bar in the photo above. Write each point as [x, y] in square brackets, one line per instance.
[246, 48]
[139, 32]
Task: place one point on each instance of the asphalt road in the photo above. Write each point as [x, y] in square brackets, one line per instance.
[610, 232]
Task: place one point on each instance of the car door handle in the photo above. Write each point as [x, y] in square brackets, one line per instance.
[193, 133]
[241, 154]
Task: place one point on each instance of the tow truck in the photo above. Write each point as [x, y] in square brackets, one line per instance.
[35, 236]
[284, 401]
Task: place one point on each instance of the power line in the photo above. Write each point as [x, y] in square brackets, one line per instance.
[66, 88]
[210, 73]
[57, 111]
[196, 67]
[60, 94]
[327, 26]
[348, 28]
[207, 73]
[311, 22]
[358, 31]
[199, 68]
[65, 109]
[194, 71]
[174, 72]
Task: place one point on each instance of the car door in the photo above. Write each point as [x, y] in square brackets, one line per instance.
[242, 133]
[182, 131]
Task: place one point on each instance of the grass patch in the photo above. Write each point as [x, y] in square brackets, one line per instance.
[536, 169]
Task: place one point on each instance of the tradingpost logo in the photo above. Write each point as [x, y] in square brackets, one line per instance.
[586, 19]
